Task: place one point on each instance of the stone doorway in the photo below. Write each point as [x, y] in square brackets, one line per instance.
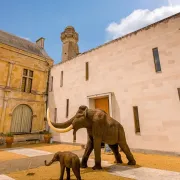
[101, 101]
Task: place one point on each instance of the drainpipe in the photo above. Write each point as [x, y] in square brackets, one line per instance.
[47, 88]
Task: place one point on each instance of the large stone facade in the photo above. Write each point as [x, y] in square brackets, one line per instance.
[17, 56]
[124, 71]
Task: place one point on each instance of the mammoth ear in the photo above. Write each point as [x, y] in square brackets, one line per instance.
[56, 156]
[85, 112]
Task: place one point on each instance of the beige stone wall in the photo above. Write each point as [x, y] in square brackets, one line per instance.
[11, 95]
[126, 68]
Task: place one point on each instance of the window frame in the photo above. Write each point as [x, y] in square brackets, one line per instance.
[87, 71]
[67, 108]
[61, 79]
[136, 120]
[157, 62]
[55, 115]
[27, 78]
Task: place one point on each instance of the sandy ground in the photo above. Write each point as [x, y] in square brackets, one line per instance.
[171, 163]
[53, 172]
[5, 156]
[59, 147]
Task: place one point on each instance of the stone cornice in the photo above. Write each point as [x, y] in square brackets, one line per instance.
[10, 89]
[23, 65]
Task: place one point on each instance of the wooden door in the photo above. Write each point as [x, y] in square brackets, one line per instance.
[21, 119]
[102, 103]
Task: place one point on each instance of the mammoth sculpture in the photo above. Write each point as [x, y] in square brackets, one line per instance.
[67, 160]
[100, 128]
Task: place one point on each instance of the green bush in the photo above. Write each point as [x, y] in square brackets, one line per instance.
[47, 132]
[9, 134]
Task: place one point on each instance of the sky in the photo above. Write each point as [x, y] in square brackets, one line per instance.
[96, 21]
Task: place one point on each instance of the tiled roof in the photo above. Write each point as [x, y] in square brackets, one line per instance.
[23, 44]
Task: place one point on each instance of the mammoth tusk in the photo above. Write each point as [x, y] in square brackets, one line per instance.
[85, 112]
[57, 129]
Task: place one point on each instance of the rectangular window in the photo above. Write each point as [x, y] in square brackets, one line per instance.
[136, 119]
[61, 81]
[87, 71]
[67, 107]
[156, 60]
[23, 87]
[178, 92]
[51, 84]
[29, 85]
[27, 81]
[55, 115]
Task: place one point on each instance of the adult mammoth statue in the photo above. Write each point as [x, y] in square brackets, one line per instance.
[100, 128]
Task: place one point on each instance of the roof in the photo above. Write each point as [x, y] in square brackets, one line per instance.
[23, 44]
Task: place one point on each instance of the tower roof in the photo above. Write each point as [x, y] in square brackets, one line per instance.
[69, 33]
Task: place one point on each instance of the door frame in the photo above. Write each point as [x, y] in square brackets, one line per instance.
[91, 101]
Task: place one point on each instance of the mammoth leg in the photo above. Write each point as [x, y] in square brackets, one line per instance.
[76, 171]
[97, 152]
[62, 172]
[125, 148]
[68, 173]
[87, 152]
[116, 153]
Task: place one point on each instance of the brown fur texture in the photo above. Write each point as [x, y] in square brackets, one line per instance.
[100, 128]
[67, 160]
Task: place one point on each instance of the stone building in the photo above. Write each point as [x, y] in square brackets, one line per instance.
[24, 70]
[135, 78]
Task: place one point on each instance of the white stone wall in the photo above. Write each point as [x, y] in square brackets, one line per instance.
[126, 68]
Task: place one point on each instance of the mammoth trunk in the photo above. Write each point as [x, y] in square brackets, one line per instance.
[48, 164]
[64, 124]
[62, 127]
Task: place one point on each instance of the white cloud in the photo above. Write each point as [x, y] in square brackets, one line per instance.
[141, 18]
[25, 38]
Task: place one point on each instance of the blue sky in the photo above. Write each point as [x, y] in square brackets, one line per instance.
[96, 21]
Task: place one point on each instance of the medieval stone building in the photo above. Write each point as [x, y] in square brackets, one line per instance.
[24, 69]
[135, 78]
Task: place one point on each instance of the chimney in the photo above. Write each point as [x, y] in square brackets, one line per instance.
[40, 42]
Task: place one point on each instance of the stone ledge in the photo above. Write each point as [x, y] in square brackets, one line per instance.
[150, 151]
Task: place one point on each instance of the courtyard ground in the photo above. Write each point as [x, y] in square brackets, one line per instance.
[30, 168]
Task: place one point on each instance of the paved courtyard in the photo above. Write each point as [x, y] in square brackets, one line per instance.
[29, 164]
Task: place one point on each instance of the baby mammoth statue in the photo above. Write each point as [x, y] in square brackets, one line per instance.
[67, 160]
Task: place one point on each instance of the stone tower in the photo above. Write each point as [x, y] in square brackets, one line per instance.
[70, 47]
